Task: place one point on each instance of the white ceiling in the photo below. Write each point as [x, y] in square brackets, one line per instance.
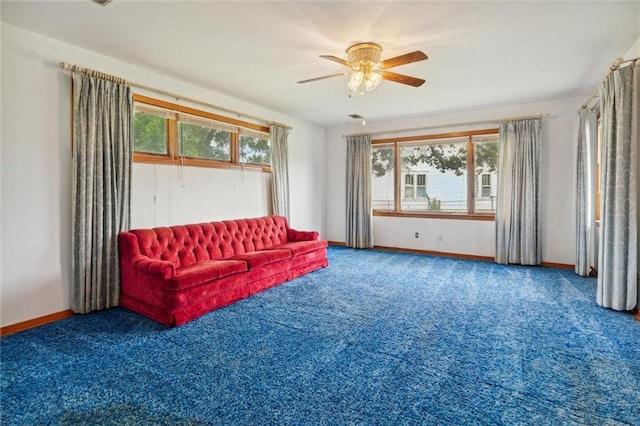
[480, 53]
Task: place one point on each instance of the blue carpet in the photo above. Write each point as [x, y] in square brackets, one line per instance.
[376, 338]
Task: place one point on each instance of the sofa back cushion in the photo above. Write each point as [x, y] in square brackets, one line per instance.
[184, 245]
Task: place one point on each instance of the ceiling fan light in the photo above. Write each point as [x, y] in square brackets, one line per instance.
[368, 85]
[356, 80]
[372, 80]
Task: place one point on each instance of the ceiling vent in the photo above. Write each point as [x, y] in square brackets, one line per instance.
[358, 117]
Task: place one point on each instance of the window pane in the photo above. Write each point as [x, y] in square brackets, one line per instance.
[254, 150]
[149, 134]
[408, 192]
[443, 167]
[486, 161]
[203, 142]
[382, 177]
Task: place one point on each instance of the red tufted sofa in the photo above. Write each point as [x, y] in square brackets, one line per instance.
[175, 274]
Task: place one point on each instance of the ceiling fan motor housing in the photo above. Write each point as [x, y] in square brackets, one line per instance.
[363, 53]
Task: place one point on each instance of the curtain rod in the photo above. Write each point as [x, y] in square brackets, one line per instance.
[616, 64]
[468, 123]
[76, 68]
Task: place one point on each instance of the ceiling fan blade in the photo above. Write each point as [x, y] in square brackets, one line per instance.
[403, 79]
[323, 77]
[336, 59]
[403, 59]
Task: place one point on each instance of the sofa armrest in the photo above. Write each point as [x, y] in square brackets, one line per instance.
[293, 235]
[162, 268]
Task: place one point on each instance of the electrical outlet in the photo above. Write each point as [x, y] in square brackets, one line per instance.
[417, 235]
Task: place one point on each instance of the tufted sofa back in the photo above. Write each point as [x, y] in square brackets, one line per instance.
[185, 245]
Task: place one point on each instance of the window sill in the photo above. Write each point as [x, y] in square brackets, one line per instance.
[455, 216]
[139, 157]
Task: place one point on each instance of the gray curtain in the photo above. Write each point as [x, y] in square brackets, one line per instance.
[618, 250]
[583, 196]
[359, 232]
[102, 138]
[518, 199]
[279, 170]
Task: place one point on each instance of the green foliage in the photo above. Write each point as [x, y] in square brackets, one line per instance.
[254, 150]
[486, 157]
[381, 161]
[149, 134]
[452, 157]
[203, 142]
[434, 203]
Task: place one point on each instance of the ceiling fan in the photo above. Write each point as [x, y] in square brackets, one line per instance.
[368, 71]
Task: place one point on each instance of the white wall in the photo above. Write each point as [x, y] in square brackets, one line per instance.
[163, 195]
[460, 236]
[36, 172]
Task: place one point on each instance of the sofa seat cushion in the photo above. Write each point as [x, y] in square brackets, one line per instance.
[204, 271]
[301, 247]
[256, 259]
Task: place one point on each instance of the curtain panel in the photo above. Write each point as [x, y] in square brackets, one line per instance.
[518, 207]
[279, 170]
[583, 196]
[101, 191]
[618, 245]
[359, 217]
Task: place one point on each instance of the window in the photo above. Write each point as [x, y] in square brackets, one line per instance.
[409, 186]
[421, 186]
[149, 133]
[453, 175]
[203, 140]
[168, 133]
[383, 170]
[415, 186]
[485, 162]
[255, 149]
[485, 188]
[444, 161]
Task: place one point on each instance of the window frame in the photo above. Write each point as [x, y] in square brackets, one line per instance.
[470, 214]
[173, 157]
